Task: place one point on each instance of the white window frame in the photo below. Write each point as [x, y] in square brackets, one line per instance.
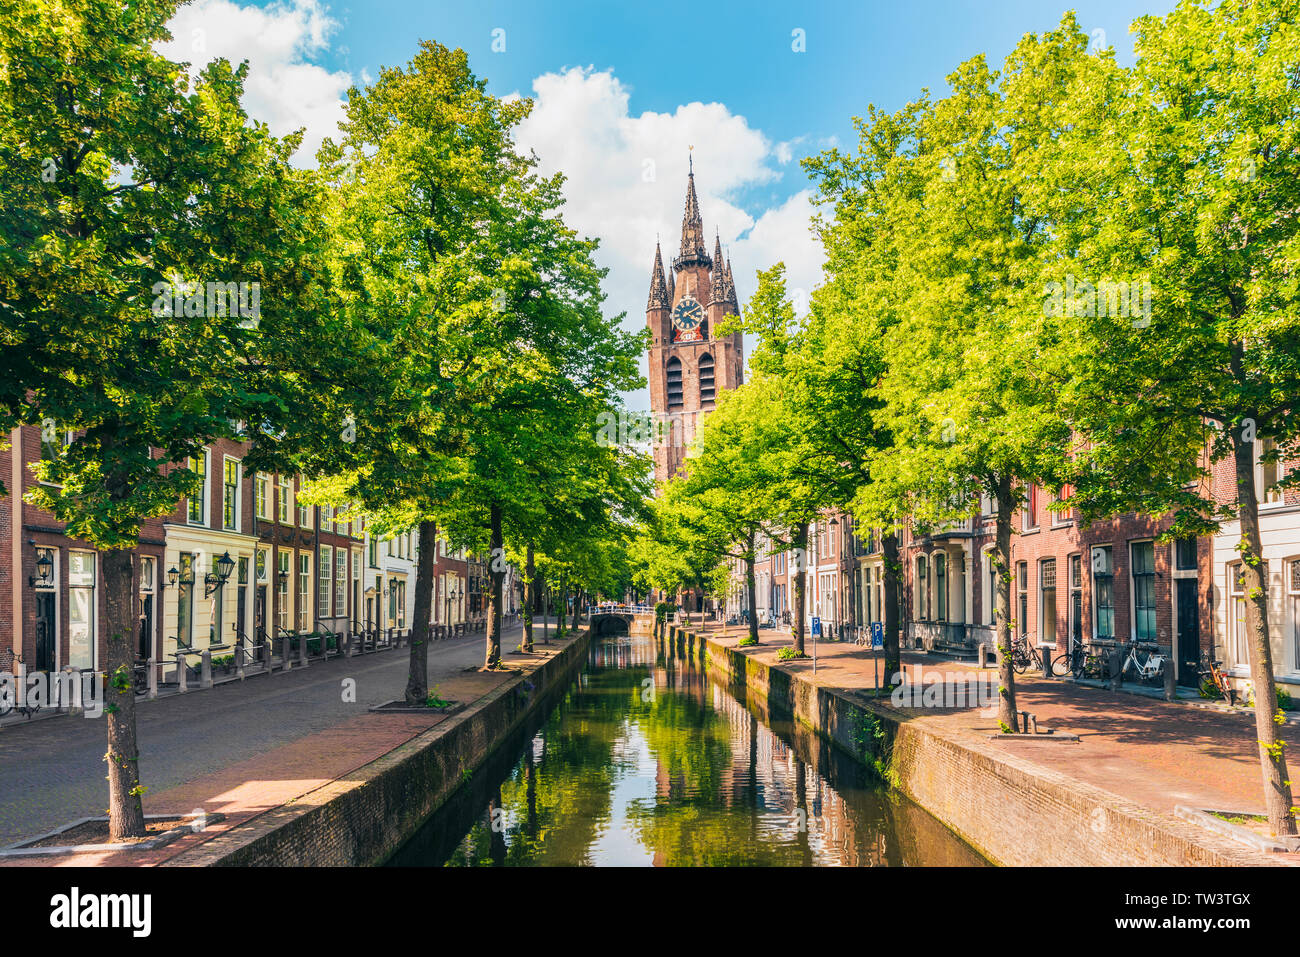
[265, 510]
[239, 492]
[1132, 589]
[207, 490]
[1274, 497]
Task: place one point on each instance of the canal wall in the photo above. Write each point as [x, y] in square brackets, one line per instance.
[363, 818]
[1010, 809]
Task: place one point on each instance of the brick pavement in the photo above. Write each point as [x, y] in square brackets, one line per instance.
[307, 738]
[1156, 753]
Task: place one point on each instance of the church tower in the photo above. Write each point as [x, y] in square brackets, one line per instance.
[689, 361]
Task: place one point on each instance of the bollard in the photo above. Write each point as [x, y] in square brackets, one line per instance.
[1171, 690]
[983, 649]
[1045, 654]
[205, 670]
[1116, 668]
[182, 685]
[239, 661]
[347, 646]
[286, 663]
[153, 679]
[302, 650]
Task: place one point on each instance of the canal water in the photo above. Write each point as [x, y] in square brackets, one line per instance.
[647, 760]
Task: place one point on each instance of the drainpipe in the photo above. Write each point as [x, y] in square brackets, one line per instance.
[16, 532]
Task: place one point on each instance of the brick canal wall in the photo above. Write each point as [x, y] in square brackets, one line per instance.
[1011, 810]
[364, 817]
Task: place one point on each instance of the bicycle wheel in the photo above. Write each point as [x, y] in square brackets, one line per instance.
[1061, 665]
[1020, 663]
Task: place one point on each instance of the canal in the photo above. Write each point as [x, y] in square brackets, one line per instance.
[647, 760]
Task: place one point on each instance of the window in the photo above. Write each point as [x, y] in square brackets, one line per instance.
[919, 583]
[262, 496]
[1076, 599]
[284, 497]
[304, 515]
[1143, 572]
[1047, 600]
[991, 576]
[1293, 597]
[323, 589]
[198, 501]
[1237, 614]
[218, 618]
[674, 383]
[81, 610]
[399, 590]
[304, 590]
[1022, 598]
[185, 602]
[707, 390]
[340, 582]
[1103, 587]
[230, 495]
[1268, 474]
[283, 579]
[1029, 515]
[372, 551]
[941, 586]
[1185, 554]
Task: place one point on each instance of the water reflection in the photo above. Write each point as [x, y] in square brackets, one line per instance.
[649, 760]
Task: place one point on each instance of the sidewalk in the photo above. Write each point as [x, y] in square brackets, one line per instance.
[1156, 753]
[243, 785]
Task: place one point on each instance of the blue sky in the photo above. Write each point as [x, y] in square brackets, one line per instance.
[622, 90]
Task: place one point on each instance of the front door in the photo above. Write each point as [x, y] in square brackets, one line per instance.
[45, 634]
[144, 644]
[1188, 650]
[259, 611]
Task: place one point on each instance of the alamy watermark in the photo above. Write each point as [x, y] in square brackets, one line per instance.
[1124, 300]
[210, 300]
[943, 689]
[44, 689]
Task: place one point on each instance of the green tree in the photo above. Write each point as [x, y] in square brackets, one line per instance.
[124, 182]
[1182, 261]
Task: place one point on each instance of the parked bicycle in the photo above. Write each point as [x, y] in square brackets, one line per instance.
[1214, 681]
[1079, 662]
[1022, 654]
[1150, 668]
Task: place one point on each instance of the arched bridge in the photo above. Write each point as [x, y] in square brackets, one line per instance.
[611, 619]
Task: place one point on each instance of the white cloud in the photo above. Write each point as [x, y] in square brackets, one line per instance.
[627, 183]
[284, 88]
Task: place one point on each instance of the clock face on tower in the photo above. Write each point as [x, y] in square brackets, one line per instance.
[687, 317]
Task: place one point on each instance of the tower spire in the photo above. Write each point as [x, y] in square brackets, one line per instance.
[659, 298]
[692, 248]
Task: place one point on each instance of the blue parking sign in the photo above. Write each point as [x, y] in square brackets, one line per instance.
[877, 634]
[816, 627]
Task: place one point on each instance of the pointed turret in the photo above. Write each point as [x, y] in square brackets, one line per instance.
[731, 288]
[692, 248]
[718, 292]
[659, 298]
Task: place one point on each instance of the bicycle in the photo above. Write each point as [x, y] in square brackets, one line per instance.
[1149, 670]
[1214, 680]
[1079, 662]
[1022, 655]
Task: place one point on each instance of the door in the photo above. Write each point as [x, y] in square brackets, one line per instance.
[144, 645]
[1188, 652]
[241, 608]
[259, 611]
[45, 631]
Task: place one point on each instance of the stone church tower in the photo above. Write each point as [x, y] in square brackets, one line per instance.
[689, 362]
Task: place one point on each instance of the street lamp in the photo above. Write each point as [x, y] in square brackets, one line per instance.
[211, 582]
[44, 576]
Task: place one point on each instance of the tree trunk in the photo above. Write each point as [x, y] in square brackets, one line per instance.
[751, 583]
[564, 608]
[496, 573]
[1272, 750]
[530, 570]
[800, 545]
[125, 811]
[892, 587]
[417, 672]
[546, 612]
[1007, 716]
